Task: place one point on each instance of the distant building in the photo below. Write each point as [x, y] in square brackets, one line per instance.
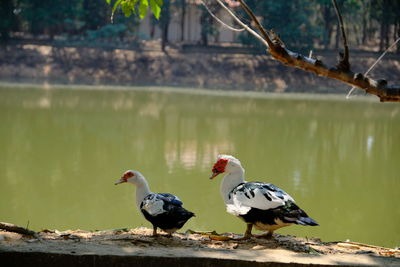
[191, 25]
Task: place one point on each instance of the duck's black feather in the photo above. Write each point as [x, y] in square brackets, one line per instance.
[289, 213]
[173, 216]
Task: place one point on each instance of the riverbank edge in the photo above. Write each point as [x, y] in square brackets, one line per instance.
[44, 259]
[123, 247]
[77, 255]
[193, 91]
[34, 63]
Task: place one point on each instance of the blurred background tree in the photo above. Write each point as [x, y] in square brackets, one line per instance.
[8, 22]
[296, 17]
[208, 23]
[299, 23]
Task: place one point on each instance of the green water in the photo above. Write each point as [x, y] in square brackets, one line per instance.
[62, 150]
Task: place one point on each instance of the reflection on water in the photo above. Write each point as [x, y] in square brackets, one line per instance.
[61, 151]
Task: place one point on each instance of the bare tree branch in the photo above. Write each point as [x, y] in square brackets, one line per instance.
[373, 65]
[244, 25]
[258, 24]
[277, 49]
[16, 229]
[220, 21]
[344, 63]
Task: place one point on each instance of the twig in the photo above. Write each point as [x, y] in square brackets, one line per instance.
[127, 239]
[373, 65]
[246, 27]
[220, 21]
[344, 61]
[366, 245]
[16, 229]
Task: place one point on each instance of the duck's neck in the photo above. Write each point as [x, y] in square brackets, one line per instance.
[229, 182]
[142, 190]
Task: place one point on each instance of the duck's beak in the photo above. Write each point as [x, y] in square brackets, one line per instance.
[214, 174]
[120, 181]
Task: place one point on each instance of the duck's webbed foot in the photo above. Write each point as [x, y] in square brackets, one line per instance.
[267, 235]
[247, 235]
[155, 231]
[169, 235]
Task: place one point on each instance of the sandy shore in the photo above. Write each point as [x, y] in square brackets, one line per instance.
[191, 247]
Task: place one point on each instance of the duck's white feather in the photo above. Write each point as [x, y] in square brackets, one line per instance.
[156, 204]
[256, 195]
[153, 205]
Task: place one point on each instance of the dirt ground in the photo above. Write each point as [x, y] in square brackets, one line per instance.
[139, 242]
[199, 69]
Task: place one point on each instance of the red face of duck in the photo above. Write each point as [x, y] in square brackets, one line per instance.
[219, 167]
[125, 177]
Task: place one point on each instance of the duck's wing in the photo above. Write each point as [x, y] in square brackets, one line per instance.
[165, 211]
[257, 195]
[171, 199]
[155, 204]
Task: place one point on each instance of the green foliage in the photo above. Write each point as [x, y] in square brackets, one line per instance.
[47, 15]
[385, 11]
[143, 8]
[156, 7]
[304, 23]
[299, 23]
[137, 7]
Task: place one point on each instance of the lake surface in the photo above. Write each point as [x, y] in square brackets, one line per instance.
[61, 151]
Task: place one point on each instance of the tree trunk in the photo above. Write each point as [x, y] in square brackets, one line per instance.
[152, 28]
[204, 31]
[164, 23]
[398, 36]
[164, 36]
[327, 15]
[385, 26]
[396, 33]
[95, 14]
[207, 23]
[337, 40]
[183, 16]
[382, 36]
[387, 36]
[7, 19]
[364, 25]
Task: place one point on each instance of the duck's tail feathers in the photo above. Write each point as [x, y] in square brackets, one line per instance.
[188, 214]
[306, 221]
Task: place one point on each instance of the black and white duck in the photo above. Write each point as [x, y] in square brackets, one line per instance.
[162, 210]
[262, 205]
